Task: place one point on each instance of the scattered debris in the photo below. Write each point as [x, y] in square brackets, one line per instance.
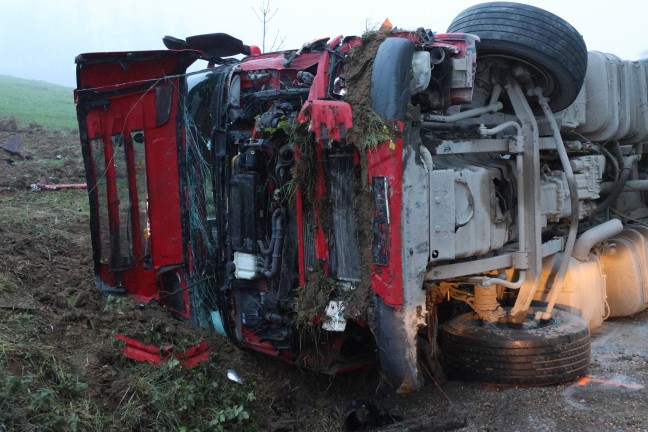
[8, 124]
[422, 424]
[14, 147]
[16, 301]
[588, 379]
[285, 425]
[233, 376]
[154, 354]
[42, 185]
[363, 414]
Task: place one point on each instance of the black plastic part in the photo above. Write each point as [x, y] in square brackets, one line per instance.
[282, 94]
[112, 291]
[244, 212]
[252, 159]
[92, 173]
[393, 344]
[163, 101]
[492, 353]
[171, 293]
[217, 45]
[341, 181]
[380, 245]
[361, 415]
[174, 43]
[247, 303]
[289, 272]
[533, 35]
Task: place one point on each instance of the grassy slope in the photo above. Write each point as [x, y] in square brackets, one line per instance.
[30, 101]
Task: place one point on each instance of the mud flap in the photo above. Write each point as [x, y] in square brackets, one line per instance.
[396, 325]
[397, 348]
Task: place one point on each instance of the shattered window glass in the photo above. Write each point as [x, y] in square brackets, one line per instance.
[138, 141]
[123, 237]
[99, 164]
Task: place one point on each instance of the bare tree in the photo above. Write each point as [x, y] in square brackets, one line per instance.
[265, 15]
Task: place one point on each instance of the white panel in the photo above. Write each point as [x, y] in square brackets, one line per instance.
[628, 100]
[603, 97]
[640, 132]
[442, 214]
[626, 268]
[584, 290]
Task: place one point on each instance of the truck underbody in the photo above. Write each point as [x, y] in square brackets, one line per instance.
[364, 199]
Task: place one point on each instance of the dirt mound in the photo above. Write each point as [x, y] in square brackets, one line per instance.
[57, 331]
[31, 154]
[8, 124]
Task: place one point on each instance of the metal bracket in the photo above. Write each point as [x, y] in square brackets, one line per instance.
[516, 144]
[520, 260]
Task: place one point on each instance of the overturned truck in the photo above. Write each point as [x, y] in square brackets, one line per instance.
[474, 198]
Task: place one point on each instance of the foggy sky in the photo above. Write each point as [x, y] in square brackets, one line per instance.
[39, 39]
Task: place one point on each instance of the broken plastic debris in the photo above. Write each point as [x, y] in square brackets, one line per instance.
[364, 414]
[42, 185]
[386, 26]
[588, 379]
[232, 375]
[13, 147]
[154, 354]
[335, 320]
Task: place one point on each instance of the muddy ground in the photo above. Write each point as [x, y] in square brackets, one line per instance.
[48, 303]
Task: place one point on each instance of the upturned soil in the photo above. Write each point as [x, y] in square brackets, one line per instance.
[49, 304]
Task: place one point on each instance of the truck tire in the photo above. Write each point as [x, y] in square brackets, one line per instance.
[498, 354]
[546, 42]
[390, 78]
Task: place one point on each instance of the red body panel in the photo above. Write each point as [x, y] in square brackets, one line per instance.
[274, 62]
[386, 160]
[124, 95]
[154, 354]
[330, 120]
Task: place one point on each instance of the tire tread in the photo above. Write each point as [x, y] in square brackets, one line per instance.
[547, 355]
[531, 34]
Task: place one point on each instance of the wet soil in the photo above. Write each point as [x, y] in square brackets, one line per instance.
[46, 274]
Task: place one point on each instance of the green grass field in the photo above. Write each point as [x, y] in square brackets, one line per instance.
[30, 101]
